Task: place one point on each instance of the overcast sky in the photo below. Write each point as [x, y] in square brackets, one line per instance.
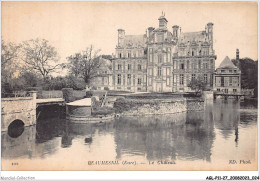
[72, 26]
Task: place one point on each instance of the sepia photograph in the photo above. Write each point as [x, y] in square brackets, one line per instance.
[129, 86]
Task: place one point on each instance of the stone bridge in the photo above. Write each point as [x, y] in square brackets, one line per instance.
[19, 109]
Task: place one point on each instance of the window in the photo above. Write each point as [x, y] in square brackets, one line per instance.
[205, 78]
[168, 81]
[218, 90]
[222, 81]
[102, 80]
[150, 54]
[150, 81]
[230, 81]
[181, 79]
[188, 64]
[192, 53]
[159, 71]
[234, 90]
[160, 37]
[139, 67]
[168, 57]
[192, 66]
[129, 66]
[235, 71]
[159, 58]
[129, 54]
[182, 66]
[150, 71]
[168, 71]
[119, 79]
[222, 71]
[120, 55]
[230, 71]
[200, 52]
[199, 64]
[128, 79]
[139, 81]
[119, 66]
[193, 77]
[205, 65]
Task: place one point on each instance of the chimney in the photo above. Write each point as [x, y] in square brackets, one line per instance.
[150, 30]
[175, 30]
[237, 54]
[121, 36]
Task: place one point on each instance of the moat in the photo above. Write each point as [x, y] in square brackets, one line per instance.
[226, 130]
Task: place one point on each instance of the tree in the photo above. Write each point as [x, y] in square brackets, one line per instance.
[9, 65]
[85, 65]
[9, 55]
[197, 84]
[108, 57]
[40, 57]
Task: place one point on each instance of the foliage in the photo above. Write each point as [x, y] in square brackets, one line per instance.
[40, 57]
[9, 55]
[102, 111]
[249, 73]
[85, 64]
[57, 83]
[108, 57]
[68, 94]
[197, 84]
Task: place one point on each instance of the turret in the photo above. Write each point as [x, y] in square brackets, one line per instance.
[175, 30]
[121, 37]
[162, 21]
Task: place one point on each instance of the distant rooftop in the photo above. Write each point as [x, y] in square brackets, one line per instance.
[227, 63]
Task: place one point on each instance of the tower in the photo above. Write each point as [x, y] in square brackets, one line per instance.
[162, 21]
[237, 54]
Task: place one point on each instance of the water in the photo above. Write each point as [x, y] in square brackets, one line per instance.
[205, 140]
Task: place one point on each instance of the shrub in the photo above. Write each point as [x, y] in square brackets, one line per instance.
[68, 94]
[89, 94]
[103, 111]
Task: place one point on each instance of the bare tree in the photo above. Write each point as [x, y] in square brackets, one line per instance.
[40, 56]
[85, 64]
[9, 64]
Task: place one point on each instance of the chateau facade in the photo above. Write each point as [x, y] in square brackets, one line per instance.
[163, 61]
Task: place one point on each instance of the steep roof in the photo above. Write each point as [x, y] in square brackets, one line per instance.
[226, 63]
[134, 40]
[193, 36]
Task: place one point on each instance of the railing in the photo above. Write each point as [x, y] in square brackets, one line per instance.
[15, 94]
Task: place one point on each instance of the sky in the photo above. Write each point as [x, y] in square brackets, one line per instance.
[73, 26]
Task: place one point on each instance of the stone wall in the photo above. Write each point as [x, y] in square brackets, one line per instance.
[22, 108]
[144, 107]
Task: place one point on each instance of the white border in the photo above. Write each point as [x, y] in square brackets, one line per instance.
[130, 175]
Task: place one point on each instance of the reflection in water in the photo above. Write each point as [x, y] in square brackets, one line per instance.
[183, 136]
